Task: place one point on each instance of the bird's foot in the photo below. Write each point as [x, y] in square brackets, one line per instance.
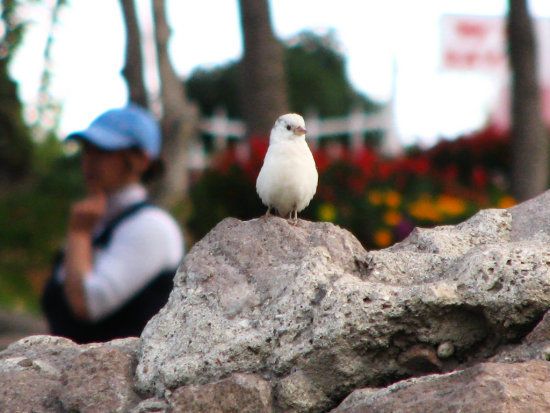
[293, 217]
[267, 214]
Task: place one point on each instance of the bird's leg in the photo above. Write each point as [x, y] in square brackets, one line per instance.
[293, 216]
[268, 212]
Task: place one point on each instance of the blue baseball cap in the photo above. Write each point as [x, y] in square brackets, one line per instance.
[124, 128]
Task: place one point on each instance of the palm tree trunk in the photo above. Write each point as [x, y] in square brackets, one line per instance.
[264, 95]
[529, 138]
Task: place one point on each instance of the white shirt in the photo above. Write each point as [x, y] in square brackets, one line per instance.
[141, 246]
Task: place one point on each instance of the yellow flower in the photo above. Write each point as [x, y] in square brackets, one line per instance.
[375, 197]
[506, 201]
[327, 212]
[393, 199]
[392, 218]
[382, 238]
[451, 205]
[425, 209]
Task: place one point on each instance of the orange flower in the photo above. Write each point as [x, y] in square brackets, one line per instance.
[506, 201]
[425, 209]
[451, 205]
[392, 218]
[393, 199]
[382, 238]
[375, 197]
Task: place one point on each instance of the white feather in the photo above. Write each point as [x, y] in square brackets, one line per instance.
[288, 178]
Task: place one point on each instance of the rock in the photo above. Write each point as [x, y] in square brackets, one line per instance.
[530, 219]
[536, 345]
[25, 389]
[99, 379]
[296, 392]
[445, 350]
[267, 316]
[51, 374]
[239, 393]
[308, 308]
[420, 359]
[153, 405]
[487, 387]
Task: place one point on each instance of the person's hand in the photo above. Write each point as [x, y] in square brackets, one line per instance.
[85, 214]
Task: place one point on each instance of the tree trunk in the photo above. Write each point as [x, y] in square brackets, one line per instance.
[15, 137]
[529, 139]
[264, 95]
[133, 65]
[179, 118]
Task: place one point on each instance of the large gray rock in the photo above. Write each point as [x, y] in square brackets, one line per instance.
[52, 374]
[269, 316]
[239, 393]
[531, 219]
[309, 309]
[484, 388]
[536, 345]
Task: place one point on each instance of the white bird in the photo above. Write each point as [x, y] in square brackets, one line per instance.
[288, 178]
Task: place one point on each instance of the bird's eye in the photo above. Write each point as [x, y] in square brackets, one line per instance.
[288, 127]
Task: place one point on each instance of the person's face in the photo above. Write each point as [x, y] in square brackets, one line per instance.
[110, 170]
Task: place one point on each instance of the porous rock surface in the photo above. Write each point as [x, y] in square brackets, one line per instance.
[53, 374]
[270, 316]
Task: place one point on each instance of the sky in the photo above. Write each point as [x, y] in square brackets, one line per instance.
[383, 42]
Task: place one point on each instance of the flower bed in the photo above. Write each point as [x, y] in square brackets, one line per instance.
[379, 200]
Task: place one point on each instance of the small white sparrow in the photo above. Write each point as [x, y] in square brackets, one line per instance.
[288, 178]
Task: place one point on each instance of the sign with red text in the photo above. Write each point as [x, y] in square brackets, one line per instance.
[479, 43]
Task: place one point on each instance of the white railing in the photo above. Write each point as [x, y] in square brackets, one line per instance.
[355, 124]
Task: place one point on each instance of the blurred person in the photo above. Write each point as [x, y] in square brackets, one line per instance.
[121, 251]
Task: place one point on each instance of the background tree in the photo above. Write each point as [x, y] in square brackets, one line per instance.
[263, 91]
[179, 117]
[15, 137]
[315, 74]
[133, 63]
[529, 138]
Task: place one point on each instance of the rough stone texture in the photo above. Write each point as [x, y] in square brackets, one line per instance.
[51, 374]
[531, 219]
[310, 309]
[535, 345]
[99, 379]
[484, 388]
[269, 316]
[240, 393]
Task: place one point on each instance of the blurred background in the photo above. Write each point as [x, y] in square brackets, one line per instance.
[418, 113]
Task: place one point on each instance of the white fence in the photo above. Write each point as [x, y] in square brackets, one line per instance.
[356, 124]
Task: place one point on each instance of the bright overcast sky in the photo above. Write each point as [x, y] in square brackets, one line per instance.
[88, 54]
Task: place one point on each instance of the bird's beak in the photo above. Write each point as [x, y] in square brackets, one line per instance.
[300, 130]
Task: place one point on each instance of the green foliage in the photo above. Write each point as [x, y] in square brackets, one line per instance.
[215, 88]
[33, 219]
[316, 78]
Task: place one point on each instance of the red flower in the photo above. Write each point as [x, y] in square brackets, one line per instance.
[479, 177]
[258, 146]
[357, 184]
[365, 159]
[321, 160]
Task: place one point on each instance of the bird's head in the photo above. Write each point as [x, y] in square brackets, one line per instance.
[288, 127]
